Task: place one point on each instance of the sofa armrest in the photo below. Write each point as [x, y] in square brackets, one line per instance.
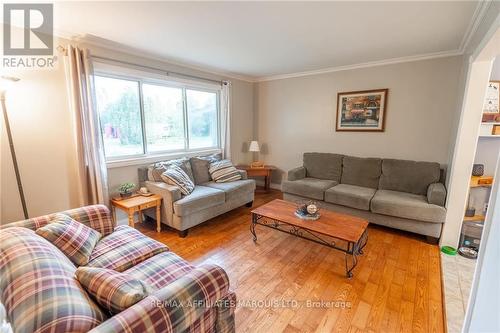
[97, 217]
[170, 193]
[297, 173]
[243, 174]
[176, 307]
[436, 194]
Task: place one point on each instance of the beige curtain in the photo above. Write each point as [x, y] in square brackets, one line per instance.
[92, 173]
[226, 119]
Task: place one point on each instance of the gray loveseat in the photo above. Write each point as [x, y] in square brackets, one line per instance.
[209, 199]
[401, 194]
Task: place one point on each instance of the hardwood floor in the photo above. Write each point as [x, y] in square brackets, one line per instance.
[396, 286]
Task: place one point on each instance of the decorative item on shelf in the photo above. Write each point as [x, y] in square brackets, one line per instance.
[254, 148]
[309, 211]
[492, 99]
[470, 211]
[478, 170]
[125, 189]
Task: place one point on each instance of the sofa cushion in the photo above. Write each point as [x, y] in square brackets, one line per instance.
[155, 170]
[123, 249]
[113, 290]
[408, 176]
[177, 177]
[350, 196]
[360, 171]
[74, 239]
[201, 198]
[38, 287]
[234, 189]
[323, 165]
[308, 187]
[160, 270]
[407, 205]
[200, 167]
[223, 171]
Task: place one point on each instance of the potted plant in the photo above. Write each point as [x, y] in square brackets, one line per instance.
[125, 189]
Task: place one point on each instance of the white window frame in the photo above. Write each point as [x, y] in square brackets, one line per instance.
[122, 73]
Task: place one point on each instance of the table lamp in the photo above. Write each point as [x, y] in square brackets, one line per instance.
[254, 147]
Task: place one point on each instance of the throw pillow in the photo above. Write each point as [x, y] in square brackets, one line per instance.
[223, 171]
[200, 165]
[155, 170]
[73, 238]
[113, 290]
[174, 175]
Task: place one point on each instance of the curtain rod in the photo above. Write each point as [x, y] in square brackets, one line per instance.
[167, 73]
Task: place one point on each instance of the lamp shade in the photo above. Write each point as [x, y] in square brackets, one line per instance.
[254, 146]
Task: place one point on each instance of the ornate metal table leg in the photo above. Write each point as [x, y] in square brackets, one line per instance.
[363, 241]
[252, 227]
[352, 251]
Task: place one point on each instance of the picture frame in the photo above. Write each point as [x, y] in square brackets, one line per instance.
[492, 98]
[361, 111]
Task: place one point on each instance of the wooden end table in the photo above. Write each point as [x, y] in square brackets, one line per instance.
[342, 232]
[265, 172]
[138, 203]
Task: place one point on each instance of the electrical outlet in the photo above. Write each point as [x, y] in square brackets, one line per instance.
[485, 207]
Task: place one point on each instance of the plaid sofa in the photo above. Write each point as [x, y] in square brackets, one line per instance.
[41, 294]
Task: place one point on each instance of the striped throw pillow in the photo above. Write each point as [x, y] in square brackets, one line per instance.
[223, 171]
[73, 238]
[174, 175]
[113, 290]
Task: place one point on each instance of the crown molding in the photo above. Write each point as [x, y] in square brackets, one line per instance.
[385, 62]
[477, 18]
[120, 48]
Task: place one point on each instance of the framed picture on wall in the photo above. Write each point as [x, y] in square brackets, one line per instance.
[492, 99]
[362, 111]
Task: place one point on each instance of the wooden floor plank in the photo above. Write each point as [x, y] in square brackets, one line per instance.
[396, 285]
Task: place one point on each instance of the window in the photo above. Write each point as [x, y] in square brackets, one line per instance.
[141, 118]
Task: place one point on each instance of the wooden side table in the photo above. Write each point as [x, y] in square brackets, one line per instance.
[137, 204]
[265, 172]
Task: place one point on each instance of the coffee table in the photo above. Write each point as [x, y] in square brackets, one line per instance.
[342, 232]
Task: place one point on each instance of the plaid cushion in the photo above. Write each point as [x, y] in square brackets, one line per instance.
[124, 248]
[74, 239]
[96, 217]
[112, 290]
[223, 171]
[38, 288]
[176, 307]
[160, 270]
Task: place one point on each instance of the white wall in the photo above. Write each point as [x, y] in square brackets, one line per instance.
[41, 128]
[297, 115]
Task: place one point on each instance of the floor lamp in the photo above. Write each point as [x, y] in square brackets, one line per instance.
[4, 81]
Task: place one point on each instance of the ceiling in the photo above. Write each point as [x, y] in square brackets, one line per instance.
[261, 40]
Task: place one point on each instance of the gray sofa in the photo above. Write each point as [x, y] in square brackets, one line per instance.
[209, 199]
[401, 194]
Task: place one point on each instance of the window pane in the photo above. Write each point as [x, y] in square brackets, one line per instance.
[164, 117]
[202, 118]
[119, 111]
